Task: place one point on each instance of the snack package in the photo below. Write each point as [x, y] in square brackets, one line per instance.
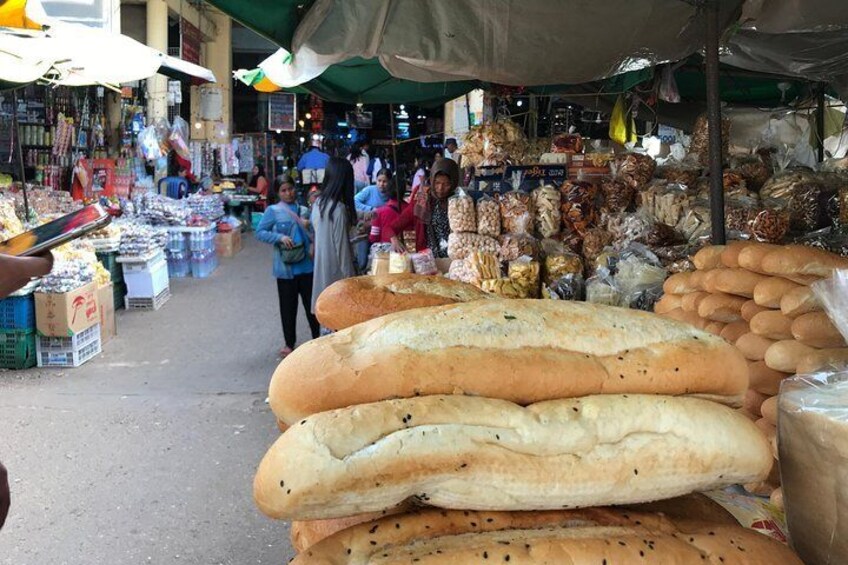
[752, 512]
[734, 183]
[567, 287]
[488, 216]
[503, 287]
[380, 263]
[665, 202]
[680, 173]
[461, 214]
[513, 246]
[516, 212]
[399, 263]
[548, 216]
[754, 170]
[579, 211]
[636, 169]
[806, 195]
[618, 195]
[738, 213]
[771, 224]
[483, 266]
[424, 263]
[524, 272]
[559, 262]
[460, 245]
[601, 289]
[639, 277]
[459, 270]
[701, 139]
[595, 241]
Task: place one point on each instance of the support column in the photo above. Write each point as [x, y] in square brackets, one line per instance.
[157, 38]
[714, 121]
[219, 59]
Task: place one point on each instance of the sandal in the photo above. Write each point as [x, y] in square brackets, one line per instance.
[286, 351]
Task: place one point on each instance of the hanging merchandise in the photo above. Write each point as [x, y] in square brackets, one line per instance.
[618, 129]
[178, 138]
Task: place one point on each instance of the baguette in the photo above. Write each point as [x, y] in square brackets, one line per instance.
[776, 498]
[358, 299]
[721, 308]
[708, 258]
[816, 330]
[751, 309]
[769, 410]
[753, 346]
[524, 351]
[823, 359]
[794, 260]
[764, 379]
[473, 453]
[733, 331]
[586, 536]
[697, 279]
[734, 281]
[306, 533]
[799, 301]
[715, 328]
[769, 292]
[679, 283]
[753, 402]
[691, 301]
[730, 255]
[751, 256]
[785, 355]
[667, 303]
[772, 324]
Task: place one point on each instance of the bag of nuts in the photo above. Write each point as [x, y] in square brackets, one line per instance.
[516, 212]
[461, 214]
[771, 224]
[488, 216]
[515, 245]
[548, 216]
[461, 245]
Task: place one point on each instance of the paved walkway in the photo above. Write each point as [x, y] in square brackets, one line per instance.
[146, 455]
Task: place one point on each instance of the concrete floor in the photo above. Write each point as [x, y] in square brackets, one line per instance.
[146, 454]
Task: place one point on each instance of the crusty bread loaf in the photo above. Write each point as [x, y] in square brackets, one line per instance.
[697, 279]
[751, 309]
[730, 255]
[799, 301]
[733, 331]
[695, 507]
[753, 402]
[753, 346]
[816, 330]
[475, 453]
[667, 303]
[601, 536]
[524, 351]
[751, 256]
[691, 301]
[679, 283]
[776, 498]
[355, 300]
[823, 359]
[770, 291]
[769, 410]
[708, 258]
[721, 307]
[772, 324]
[739, 282]
[764, 379]
[793, 260]
[715, 328]
[786, 354]
[306, 533]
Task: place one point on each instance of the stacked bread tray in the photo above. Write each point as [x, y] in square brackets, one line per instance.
[505, 424]
[758, 297]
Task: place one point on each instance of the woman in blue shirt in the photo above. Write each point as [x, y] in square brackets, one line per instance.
[285, 225]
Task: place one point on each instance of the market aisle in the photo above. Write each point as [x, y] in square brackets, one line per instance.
[147, 454]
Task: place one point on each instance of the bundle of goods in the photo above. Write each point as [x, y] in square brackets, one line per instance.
[631, 278]
[140, 240]
[807, 196]
[579, 207]
[699, 147]
[494, 406]
[67, 276]
[757, 296]
[10, 224]
[210, 207]
[47, 202]
[158, 210]
[635, 169]
[493, 144]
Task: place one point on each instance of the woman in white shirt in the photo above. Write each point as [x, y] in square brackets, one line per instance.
[359, 160]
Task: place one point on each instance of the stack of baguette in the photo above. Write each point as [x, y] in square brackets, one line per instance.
[507, 417]
[757, 296]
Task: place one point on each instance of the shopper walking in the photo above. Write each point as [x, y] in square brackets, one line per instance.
[285, 226]
[359, 159]
[333, 216]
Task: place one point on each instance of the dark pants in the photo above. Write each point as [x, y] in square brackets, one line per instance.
[288, 290]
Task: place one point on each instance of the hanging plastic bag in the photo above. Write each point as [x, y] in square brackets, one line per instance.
[668, 86]
[148, 144]
[178, 138]
[618, 123]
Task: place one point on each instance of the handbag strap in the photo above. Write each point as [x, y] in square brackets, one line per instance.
[296, 218]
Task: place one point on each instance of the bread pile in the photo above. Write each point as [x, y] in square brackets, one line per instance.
[757, 296]
[507, 416]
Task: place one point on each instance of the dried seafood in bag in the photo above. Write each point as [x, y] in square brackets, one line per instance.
[618, 195]
[516, 212]
[636, 169]
[579, 212]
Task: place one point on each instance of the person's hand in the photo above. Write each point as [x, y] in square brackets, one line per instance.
[397, 246]
[5, 497]
[286, 242]
[16, 272]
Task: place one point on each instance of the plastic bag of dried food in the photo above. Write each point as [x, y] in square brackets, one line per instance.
[579, 211]
[502, 287]
[484, 266]
[461, 245]
[734, 183]
[488, 216]
[399, 263]
[516, 212]
[677, 258]
[738, 213]
[640, 277]
[594, 242]
[806, 195]
[771, 224]
[524, 272]
[618, 195]
[753, 170]
[460, 270]
[424, 263]
[665, 202]
[548, 216]
[602, 289]
[700, 145]
[660, 235]
[681, 173]
[515, 245]
[380, 263]
[559, 261]
[636, 169]
[626, 228]
[568, 287]
[461, 214]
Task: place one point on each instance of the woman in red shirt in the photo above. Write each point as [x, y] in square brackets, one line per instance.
[385, 217]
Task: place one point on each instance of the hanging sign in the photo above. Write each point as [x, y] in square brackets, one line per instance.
[190, 41]
[282, 112]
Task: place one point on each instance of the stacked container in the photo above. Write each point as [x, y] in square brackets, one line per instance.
[17, 332]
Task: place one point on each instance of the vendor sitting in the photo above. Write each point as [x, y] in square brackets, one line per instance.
[372, 197]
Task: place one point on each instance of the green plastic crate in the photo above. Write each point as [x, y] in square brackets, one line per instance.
[110, 263]
[119, 291]
[17, 349]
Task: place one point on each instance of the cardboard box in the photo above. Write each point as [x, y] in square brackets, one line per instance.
[228, 243]
[67, 314]
[106, 306]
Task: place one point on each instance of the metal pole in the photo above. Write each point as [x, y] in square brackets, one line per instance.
[820, 121]
[714, 122]
[468, 109]
[398, 180]
[20, 148]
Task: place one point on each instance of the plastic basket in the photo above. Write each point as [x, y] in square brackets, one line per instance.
[17, 349]
[110, 263]
[17, 313]
[69, 351]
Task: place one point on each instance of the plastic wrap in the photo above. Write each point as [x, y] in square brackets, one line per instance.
[525, 274]
[513, 246]
[559, 261]
[567, 287]
[503, 287]
[636, 169]
[618, 195]
[579, 212]
[483, 266]
[701, 139]
[379, 258]
[178, 138]
[639, 277]
[771, 224]
[424, 263]
[827, 240]
[399, 263]
[547, 214]
[516, 212]
[602, 290]
[488, 216]
[461, 245]
[461, 213]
